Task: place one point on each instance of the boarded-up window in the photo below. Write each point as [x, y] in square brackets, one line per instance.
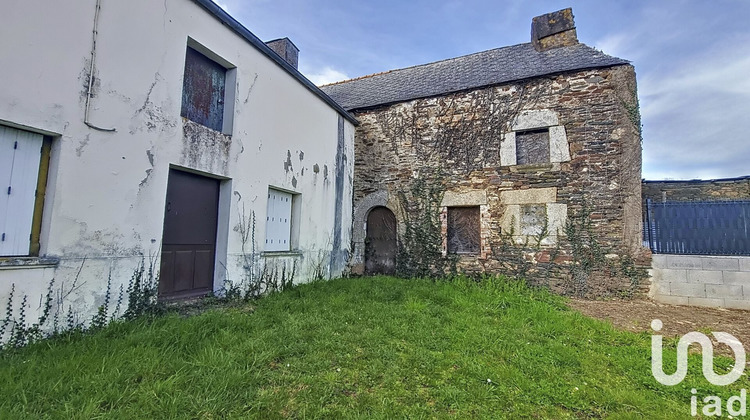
[463, 230]
[20, 156]
[533, 219]
[532, 147]
[278, 221]
[203, 90]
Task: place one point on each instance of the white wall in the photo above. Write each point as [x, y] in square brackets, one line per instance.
[105, 200]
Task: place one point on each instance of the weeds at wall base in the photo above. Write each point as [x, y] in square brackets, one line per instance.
[142, 300]
[257, 278]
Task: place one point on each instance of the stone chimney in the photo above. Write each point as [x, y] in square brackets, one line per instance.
[285, 49]
[554, 30]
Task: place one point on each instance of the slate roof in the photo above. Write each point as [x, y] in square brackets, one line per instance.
[497, 66]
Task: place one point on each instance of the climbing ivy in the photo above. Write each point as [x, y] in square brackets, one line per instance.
[420, 250]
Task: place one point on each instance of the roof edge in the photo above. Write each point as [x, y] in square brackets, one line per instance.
[261, 46]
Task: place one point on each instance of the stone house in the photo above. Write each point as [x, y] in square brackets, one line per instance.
[159, 133]
[519, 142]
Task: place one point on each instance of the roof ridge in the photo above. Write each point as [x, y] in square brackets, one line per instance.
[422, 65]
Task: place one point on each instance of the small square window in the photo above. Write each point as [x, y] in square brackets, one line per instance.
[532, 147]
[203, 90]
[533, 219]
[463, 230]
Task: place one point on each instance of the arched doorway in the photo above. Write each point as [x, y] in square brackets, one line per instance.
[380, 242]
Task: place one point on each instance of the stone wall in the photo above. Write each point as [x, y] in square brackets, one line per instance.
[466, 142]
[701, 280]
[695, 190]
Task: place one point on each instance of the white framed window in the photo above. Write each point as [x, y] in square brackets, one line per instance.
[279, 220]
[20, 159]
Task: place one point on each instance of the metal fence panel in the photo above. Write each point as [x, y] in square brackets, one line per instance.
[698, 227]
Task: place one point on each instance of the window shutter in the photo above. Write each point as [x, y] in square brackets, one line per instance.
[278, 221]
[20, 154]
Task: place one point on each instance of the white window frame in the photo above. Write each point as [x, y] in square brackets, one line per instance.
[279, 223]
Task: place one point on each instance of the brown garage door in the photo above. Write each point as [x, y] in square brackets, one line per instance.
[189, 240]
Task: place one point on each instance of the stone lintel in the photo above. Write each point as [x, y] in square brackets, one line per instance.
[535, 118]
[464, 198]
[529, 196]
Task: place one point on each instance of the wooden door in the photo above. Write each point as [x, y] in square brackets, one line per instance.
[380, 242]
[189, 240]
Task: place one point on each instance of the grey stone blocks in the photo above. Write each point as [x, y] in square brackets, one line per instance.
[701, 281]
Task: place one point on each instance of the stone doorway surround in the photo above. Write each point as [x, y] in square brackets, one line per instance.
[362, 209]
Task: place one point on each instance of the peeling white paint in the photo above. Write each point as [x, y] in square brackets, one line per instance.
[104, 207]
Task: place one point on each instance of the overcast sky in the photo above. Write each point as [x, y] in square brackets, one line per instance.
[692, 58]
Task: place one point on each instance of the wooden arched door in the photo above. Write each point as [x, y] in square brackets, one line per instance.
[380, 242]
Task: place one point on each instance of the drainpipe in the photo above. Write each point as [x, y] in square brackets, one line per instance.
[91, 71]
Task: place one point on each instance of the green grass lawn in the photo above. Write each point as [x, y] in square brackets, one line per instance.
[355, 348]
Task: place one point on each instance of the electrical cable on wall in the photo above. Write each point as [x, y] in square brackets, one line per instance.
[91, 72]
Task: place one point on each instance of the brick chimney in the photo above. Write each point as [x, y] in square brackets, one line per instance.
[285, 49]
[553, 30]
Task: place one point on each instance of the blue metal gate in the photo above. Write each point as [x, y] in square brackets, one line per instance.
[698, 227]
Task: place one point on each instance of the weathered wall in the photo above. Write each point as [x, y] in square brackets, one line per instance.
[697, 190]
[701, 280]
[458, 138]
[104, 207]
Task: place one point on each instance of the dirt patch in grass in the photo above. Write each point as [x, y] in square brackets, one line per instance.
[194, 307]
[636, 315]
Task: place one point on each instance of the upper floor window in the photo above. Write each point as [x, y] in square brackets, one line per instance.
[536, 138]
[532, 147]
[207, 89]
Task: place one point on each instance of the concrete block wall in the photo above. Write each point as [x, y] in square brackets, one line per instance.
[701, 280]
